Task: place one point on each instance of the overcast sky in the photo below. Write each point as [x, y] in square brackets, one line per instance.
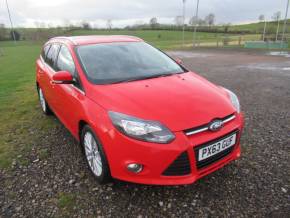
[127, 12]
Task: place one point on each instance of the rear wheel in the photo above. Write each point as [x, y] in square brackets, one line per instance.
[95, 156]
[44, 106]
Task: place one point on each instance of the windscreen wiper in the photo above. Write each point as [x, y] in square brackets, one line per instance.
[141, 78]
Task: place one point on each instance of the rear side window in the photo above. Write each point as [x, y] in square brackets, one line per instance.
[44, 51]
[65, 61]
[51, 55]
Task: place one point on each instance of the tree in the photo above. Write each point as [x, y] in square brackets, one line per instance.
[15, 34]
[85, 25]
[210, 19]
[262, 18]
[178, 20]
[200, 22]
[276, 17]
[109, 24]
[226, 27]
[193, 21]
[3, 32]
[153, 22]
[67, 25]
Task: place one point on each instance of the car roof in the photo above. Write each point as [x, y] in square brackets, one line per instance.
[95, 39]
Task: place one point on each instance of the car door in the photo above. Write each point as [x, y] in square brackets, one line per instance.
[68, 96]
[49, 70]
[41, 70]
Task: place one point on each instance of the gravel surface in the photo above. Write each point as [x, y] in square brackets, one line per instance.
[56, 182]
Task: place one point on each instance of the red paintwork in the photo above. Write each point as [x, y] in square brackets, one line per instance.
[62, 77]
[179, 102]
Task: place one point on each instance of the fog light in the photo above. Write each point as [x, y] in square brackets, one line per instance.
[135, 168]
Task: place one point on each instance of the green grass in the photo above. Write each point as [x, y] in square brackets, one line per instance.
[66, 200]
[258, 27]
[19, 110]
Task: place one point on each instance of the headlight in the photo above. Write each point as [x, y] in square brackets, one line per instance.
[145, 130]
[234, 100]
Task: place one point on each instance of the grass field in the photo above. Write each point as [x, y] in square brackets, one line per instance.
[259, 27]
[165, 39]
[19, 110]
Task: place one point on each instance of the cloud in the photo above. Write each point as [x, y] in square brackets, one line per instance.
[124, 12]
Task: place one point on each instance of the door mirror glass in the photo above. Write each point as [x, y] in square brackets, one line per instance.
[62, 77]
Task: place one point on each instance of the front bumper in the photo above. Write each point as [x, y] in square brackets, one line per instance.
[156, 158]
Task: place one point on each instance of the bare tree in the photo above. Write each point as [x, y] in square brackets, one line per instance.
[94, 26]
[109, 24]
[226, 27]
[262, 18]
[37, 24]
[85, 25]
[36, 34]
[153, 22]
[138, 24]
[66, 25]
[50, 25]
[276, 17]
[193, 21]
[199, 22]
[178, 20]
[210, 19]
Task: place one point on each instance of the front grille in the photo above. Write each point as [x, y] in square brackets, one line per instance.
[204, 127]
[179, 167]
[216, 157]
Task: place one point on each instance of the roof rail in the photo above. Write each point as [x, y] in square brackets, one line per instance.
[63, 37]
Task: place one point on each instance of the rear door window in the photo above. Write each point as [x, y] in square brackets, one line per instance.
[52, 55]
[44, 51]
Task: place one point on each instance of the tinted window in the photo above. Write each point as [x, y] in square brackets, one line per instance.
[51, 55]
[44, 51]
[117, 62]
[65, 61]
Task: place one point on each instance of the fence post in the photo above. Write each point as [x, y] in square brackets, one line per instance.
[217, 41]
[199, 41]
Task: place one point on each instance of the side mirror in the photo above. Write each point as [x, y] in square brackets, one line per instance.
[179, 61]
[62, 77]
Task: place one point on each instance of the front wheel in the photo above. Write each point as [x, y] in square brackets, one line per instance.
[95, 156]
[44, 106]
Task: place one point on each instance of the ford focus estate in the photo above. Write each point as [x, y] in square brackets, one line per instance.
[139, 115]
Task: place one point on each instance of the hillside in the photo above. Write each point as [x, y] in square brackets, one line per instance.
[259, 27]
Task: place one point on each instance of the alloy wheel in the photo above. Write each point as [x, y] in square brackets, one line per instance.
[93, 154]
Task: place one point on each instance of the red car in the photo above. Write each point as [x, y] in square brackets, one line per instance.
[140, 115]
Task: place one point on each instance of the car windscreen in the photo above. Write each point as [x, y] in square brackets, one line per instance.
[124, 61]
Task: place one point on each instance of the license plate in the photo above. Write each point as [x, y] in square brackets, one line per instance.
[216, 147]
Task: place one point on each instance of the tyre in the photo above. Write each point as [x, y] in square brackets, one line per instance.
[95, 156]
[44, 106]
